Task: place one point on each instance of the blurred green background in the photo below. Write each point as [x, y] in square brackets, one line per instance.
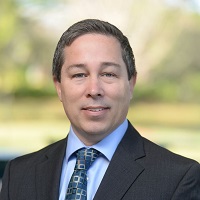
[165, 37]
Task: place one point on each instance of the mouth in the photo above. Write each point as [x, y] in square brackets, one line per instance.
[96, 109]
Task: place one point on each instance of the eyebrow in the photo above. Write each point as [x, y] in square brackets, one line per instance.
[75, 66]
[103, 64]
[107, 64]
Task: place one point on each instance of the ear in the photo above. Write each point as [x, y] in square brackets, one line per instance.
[58, 87]
[132, 83]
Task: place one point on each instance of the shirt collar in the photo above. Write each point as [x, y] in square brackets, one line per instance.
[107, 146]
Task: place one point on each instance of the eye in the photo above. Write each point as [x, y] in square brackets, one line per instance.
[79, 75]
[109, 75]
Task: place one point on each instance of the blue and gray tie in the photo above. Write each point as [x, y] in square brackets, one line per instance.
[77, 188]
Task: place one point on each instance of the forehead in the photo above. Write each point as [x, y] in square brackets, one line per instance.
[93, 50]
[94, 44]
[97, 37]
[94, 47]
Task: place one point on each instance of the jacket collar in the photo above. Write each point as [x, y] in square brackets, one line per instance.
[48, 172]
[123, 169]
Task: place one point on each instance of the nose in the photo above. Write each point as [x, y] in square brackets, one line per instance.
[94, 87]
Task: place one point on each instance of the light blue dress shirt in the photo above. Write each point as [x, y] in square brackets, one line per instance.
[96, 172]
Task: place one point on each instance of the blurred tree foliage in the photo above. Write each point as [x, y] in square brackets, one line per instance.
[176, 77]
[26, 51]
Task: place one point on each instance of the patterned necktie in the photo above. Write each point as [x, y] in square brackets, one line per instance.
[77, 188]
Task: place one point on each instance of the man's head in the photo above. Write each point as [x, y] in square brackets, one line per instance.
[91, 78]
[89, 26]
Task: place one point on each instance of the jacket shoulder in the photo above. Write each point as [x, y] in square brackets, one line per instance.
[41, 154]
[161, 155]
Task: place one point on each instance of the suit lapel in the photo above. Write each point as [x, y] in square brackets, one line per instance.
[48, 173]
[123, 169]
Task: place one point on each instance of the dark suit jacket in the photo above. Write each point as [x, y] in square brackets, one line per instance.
[139, 170]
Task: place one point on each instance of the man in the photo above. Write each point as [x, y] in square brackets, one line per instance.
[94, 75]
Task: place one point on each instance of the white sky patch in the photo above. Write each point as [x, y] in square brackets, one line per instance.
[190, 5]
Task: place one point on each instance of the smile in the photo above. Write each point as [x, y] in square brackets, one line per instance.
[96, 109]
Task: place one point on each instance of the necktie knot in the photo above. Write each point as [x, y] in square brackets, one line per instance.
[85, 158]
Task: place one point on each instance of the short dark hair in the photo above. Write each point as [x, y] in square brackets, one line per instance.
[92, 26]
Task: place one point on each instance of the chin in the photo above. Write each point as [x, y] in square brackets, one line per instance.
[94, 132]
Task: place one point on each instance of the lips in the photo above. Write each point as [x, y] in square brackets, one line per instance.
[95, 109]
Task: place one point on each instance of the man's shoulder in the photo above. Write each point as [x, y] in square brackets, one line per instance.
[41, 154]
[162, 155]
[156, 153]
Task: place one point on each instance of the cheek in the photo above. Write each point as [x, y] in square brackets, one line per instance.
[120, 97]
[121, 92]
[69, 102]
[69, 98]
[70, 93]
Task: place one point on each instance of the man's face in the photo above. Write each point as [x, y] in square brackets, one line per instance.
[94, 88]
